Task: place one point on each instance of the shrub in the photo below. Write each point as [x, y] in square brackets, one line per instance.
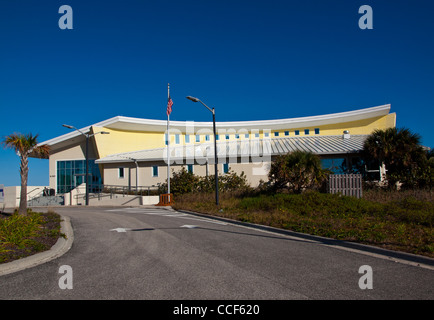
[183, 182]
[297, 171]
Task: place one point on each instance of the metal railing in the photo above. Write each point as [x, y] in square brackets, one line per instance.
[131, 190]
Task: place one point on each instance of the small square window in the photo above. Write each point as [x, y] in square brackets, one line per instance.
[227, 137]
[256, 135]
[297, 132]
[237, 136]
[316, 130]
[246, 136]
[306, 131]
[276, 134]
[286, 133]
[207, 137]
[266, 134]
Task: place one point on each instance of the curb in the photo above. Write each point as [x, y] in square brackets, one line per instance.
[397, 256]
[60, 248]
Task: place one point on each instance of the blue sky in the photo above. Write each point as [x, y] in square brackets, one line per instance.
[251, 60]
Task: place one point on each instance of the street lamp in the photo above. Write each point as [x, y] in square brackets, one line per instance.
[215, 147]
[87, 135]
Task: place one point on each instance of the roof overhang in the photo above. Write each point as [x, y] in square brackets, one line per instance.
[149, 125]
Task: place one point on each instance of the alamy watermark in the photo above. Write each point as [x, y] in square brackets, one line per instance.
[65, 281]
[365, 22]
[366, 281]
[233, 146]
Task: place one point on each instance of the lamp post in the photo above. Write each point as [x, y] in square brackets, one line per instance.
[87, 136]
[215, 147]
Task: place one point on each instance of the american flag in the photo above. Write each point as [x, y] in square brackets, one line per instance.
[169, 106]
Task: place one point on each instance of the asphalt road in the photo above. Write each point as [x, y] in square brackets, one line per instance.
[154, 253]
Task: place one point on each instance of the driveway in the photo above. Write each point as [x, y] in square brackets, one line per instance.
[155, 253]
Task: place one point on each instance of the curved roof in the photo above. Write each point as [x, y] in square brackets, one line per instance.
[149, 125]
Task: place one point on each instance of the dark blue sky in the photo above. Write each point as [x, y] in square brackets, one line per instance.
[251, 60]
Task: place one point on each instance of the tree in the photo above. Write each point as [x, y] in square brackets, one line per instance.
[297, 171]
[24, 145]
[399, 150]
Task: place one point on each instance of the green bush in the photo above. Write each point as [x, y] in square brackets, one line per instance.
[297, 171]
[183, 182]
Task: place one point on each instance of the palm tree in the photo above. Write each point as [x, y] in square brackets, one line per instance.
[297, 171]
[24, 145]
[398, 150]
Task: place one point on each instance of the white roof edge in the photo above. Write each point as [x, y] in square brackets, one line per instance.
[363, 113]
[340, 116]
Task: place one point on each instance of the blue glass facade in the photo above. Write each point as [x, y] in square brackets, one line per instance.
[70, 174]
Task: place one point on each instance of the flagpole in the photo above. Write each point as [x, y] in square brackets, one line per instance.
[168, 144]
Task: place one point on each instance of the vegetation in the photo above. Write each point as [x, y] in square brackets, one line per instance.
[297, 171]
[404, 223]
[399, 220]
[24, 145]
[24, 235]
[405, 160]
[183, 182]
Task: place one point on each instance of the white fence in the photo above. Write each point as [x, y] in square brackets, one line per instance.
[346, 184]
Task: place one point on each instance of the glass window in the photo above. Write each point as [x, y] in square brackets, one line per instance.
[71, 174]
[297, 132]
[256, 135]
[246, 135]
[227, 137]
[207, 137]
[121, 173]
[155, 171]
[187, 138]
[237, 136]
[286, 133]
[306, 131]
[165, 139]
[197, 138]
[217, 137]
[336, 165]
[276, 134]
[189, 168]
[316, 130]
[225, 167]
[266, 134]
[177, 138]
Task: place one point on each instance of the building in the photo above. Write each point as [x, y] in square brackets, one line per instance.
[136, 152]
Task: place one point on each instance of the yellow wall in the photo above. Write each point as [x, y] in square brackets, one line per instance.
[125, 141]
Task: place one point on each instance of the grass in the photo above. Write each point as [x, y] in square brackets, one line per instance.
[24, 235]
[397, 221]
